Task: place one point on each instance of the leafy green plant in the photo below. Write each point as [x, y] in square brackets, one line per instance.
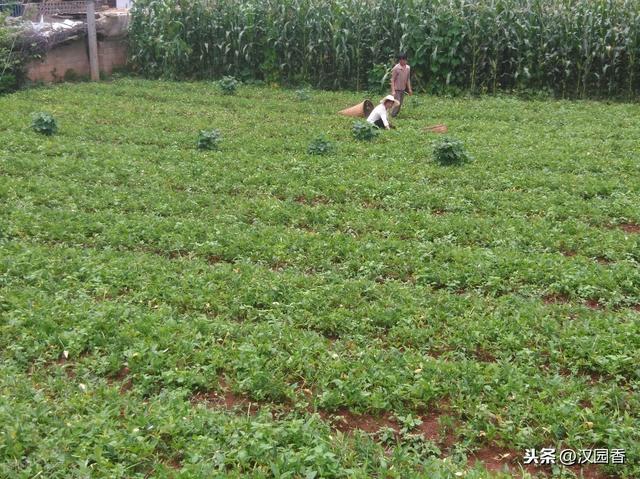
[450, 151]
[416, 444]
[228, 85]
[386, 435]
[209, 139]
[15, 51]
[408, 422]
[8, 83]
[10, 61]
[303, 94]
[320, 146]
[378, 78]
[43, 123]
[364, 131]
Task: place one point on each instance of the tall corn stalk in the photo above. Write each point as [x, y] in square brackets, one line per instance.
[572, 47]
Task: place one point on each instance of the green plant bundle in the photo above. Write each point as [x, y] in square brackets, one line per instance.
[364, 131]
[228, 85]
[572, 48]
[209, 139]
[320, 146]
[450, 151]
[43, 123]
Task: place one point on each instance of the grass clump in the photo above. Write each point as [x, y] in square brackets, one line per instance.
[303, 94]
[364, 131]
[44, 123]
[320, 146]
[228, 85]
[209, 140]
[450, 151]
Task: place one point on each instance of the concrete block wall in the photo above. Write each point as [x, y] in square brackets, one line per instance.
[112, 54]
[75, 56]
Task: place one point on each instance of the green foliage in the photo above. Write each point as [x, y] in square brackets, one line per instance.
[165, 316]
[412, 101]
[364, 131]
[303, 94]
[379, 77]
[408, 422]
[8, 83]
[228, 85]
[14, 54]
[320, 146]
[9, 61]
[43, 123]
[450, 151]
[209, 139]
[574, 48]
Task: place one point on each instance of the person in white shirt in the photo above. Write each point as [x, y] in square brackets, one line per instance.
[378, 115]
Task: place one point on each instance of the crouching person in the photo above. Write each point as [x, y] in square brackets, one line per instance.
[378, 115]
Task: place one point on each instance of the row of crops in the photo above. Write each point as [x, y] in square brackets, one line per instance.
[575, 48]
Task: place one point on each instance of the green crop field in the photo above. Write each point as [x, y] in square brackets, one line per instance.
[257, 311]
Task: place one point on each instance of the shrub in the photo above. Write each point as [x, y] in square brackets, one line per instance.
[9, 60]
[209, 140]
[43, 123]
[303, 94]
[364, 131]
[8, 83]
[16, 50]
[228, 85]
[320, 146]
[450, 151]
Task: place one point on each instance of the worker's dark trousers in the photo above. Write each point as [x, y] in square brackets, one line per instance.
[396, 108]
[378, 123]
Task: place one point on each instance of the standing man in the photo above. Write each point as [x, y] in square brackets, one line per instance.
[400, 82]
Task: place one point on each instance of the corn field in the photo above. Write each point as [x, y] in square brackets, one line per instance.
[574, 48]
